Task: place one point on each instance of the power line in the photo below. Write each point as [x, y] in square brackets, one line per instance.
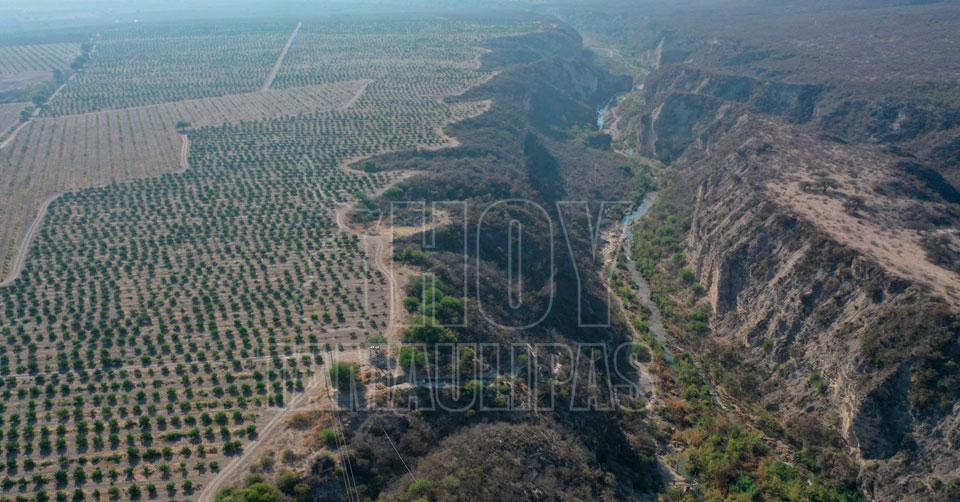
[347, 469]
[398, 454]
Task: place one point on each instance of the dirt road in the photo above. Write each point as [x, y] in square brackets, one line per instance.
[24, 249]
[36, 112]
[382, 254]
[283, 54]
[234, 470]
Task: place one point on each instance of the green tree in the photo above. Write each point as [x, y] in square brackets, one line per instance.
[344, 375]
[257, 492]
[428, 330]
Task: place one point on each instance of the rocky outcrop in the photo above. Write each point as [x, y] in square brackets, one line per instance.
[796, 303]
[814, 272]
[685, 104]
[677, 124]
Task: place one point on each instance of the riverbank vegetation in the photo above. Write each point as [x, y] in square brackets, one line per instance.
[730, 454]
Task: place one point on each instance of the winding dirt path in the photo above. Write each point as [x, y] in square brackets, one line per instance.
[382, 254]
[356, 96]
[379, 244]
[20, 259]
[283, 54]
[184, 153]
[233, 472]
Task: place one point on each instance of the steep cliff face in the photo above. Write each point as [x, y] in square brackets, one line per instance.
[816, 157]
[812, 215]
[796, 303]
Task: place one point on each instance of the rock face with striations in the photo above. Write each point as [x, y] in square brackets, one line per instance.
[822, 228]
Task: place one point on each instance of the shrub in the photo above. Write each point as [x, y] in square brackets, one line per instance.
[642, 353]
[411, 356]
[428, 330]
[256, 492]
[473, 388]
[344, 375]
[721, 457]
[419, 488]
[288, 481]
[816, 382]
[411, 304]
[329, 438]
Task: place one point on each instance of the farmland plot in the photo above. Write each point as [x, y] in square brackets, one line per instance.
[10, 115]
[139, 65]
[157, 322]
[444, 52]
[15, 59]
[53, 155]
[27, 68]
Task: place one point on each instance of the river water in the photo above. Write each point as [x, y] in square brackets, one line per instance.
[632, 217]
[655, 321]
[611, 103]
[602, 111]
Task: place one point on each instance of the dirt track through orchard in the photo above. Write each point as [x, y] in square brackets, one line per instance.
[279, 63]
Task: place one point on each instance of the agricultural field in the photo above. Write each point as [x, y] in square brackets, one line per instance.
[53, 155]
[159, 324]
[438, 52]
[15, 59]
[26, 68]
[144, 65]
[10, 115]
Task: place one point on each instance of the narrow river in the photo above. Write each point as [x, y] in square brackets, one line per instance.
[655, 321]
[642, 286]
[602, 111]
